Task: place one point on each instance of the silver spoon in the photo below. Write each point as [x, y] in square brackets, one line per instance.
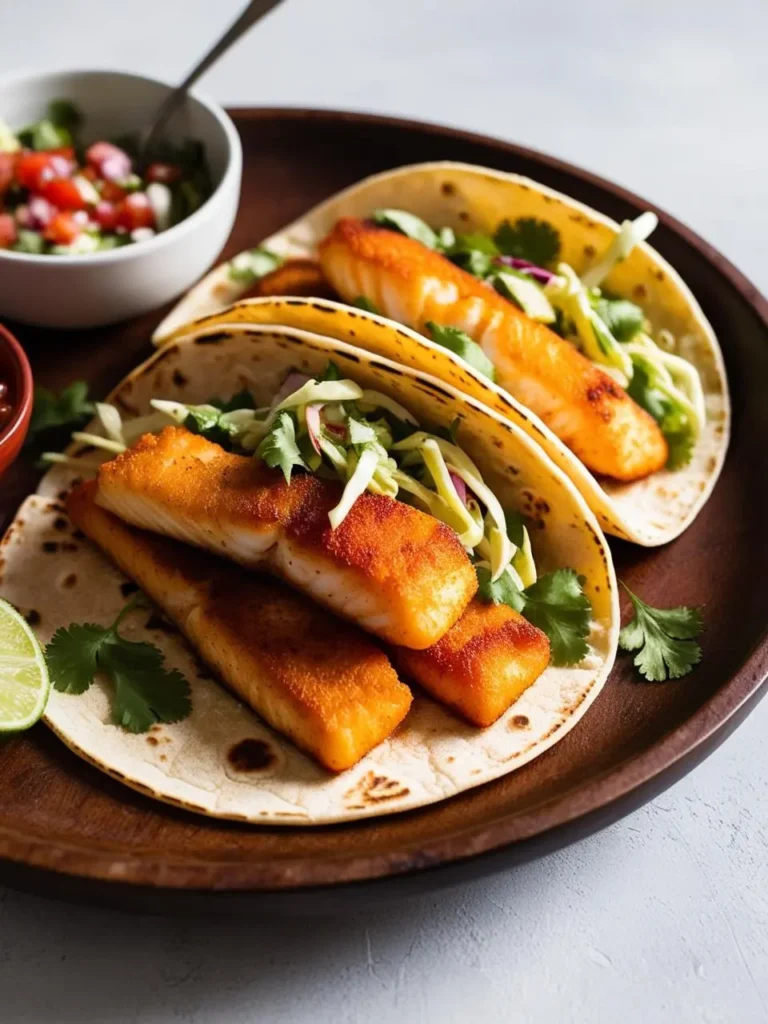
[255, 10]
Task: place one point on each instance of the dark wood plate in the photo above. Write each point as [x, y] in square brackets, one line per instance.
[68, 830]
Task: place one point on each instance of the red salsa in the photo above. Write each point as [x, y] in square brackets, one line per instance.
[61, 197]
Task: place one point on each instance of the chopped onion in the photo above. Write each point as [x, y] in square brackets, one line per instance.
[312, 418]
[292, 383]
[459, 486]
[526, 267]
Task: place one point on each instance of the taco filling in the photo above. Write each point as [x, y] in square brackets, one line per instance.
[339, 491]
[585, 361]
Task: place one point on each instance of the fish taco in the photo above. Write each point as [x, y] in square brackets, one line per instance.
[523, 298]
[363, 591]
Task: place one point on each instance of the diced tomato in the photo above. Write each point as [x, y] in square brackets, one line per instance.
[166, 174]
[105, 214]
[62, 229]
[110, 162]
[64, 193]
[7, 171]
[112, 192]
[34, 169]
[135, 211]
[7, 230]
[89, 173]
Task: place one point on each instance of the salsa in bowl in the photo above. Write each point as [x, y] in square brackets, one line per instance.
[93, 235]
[62, 196]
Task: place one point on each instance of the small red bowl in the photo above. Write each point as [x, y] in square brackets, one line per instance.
[17, 373]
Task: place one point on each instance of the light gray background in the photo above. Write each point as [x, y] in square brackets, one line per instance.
[662, 918]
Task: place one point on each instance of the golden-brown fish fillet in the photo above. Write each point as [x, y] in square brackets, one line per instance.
[481, 665]
[412, 284]
[294, 277]
[314, 678]
[396, 571]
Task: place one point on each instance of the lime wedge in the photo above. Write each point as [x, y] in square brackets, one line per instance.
[24, 682]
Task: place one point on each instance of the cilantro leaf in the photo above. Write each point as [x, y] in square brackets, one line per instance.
[72, 656]
[664, 638]
[65, 114]
[362, 302]
[242, 400]
[622, 318]
[331, 372]
[556, 603]
[251, 265]
[463, 346]
[71, 408]
[279, 447]
[672, 419]
[145, 691]
[407, 224]
[501, 591]
[474, 253]
[515, 527]
[529, 239]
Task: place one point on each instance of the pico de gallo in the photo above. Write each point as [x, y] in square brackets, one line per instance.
[60, 197]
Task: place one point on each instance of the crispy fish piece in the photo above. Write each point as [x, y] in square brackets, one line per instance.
[396, 571]
[294, 277]
[481, 665]
[314, 678]
[412, 284]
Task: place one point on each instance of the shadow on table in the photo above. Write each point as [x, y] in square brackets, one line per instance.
[68, 964]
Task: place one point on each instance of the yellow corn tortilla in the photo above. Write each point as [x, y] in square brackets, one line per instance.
[650, 512]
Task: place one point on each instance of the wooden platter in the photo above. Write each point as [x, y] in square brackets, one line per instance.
[69, 831]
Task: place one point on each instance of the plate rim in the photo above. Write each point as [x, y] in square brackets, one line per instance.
[665, 761]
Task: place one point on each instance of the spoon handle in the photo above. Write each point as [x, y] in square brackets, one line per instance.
[255, 10]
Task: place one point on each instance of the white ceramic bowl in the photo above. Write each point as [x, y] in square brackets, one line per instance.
[101, 288]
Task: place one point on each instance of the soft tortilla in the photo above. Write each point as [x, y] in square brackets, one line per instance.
[466, 198]
[48, 569]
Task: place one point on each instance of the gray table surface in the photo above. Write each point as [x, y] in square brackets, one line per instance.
[664, 916]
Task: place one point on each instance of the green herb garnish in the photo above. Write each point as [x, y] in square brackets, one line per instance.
[365, 303]
[622, 318]
[664, 638]
[144, 691]
[407, 224]
[651, 394]
[279, 447]
[461, 344]
[250, 266]
[71, 409]
[529, 239]
[556, 603]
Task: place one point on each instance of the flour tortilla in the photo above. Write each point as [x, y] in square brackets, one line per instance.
[56, 577]
[466, 198]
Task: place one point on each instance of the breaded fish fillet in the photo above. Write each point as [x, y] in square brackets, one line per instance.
[294, 277]
[412, 284]
[396, 571]
[314, 678]
[481, 665]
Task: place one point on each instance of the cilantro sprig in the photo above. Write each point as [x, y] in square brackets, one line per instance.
[460, 343]
[664, 639]
[556, 603]
[529, 239]
[71, 408]
[279, 448]
[145, 692]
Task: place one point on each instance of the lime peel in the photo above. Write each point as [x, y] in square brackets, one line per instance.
[24, 681]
